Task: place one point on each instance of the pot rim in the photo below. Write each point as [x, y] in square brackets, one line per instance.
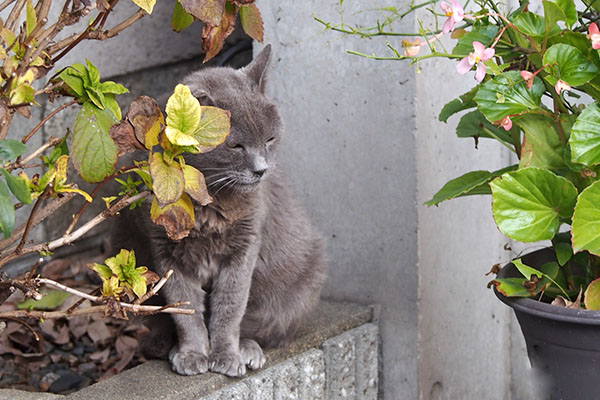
[541, 309]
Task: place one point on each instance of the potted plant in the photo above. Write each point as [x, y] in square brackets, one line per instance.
[537, 93]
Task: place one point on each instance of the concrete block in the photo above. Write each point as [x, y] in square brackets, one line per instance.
[311, 367]
[12, 394]
[236, 391]
[260, 386]
[286, 382]
[367, 369]
[340, 360]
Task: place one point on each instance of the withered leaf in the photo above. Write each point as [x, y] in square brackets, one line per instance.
[242, 2]
[100, 356]
[207, 11]
[177, 218]
[252, 22]
[124, 137]
[125, 343]
[214, 35]
[98, 331]
[147, 120]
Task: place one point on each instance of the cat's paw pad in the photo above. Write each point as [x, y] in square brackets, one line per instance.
[252, 354]
[188, 362]
[227, 363]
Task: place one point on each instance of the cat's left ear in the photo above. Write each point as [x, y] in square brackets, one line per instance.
[257, 69]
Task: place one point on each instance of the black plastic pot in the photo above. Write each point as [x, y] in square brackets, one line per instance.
[563, 344]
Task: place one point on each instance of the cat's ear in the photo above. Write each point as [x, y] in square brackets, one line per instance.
[257, 69]
[204, 98]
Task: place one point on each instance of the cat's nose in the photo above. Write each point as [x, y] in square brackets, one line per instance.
[259, 172]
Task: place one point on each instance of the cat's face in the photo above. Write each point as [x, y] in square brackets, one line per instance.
[248, 153]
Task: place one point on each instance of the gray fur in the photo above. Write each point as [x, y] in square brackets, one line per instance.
[253, 266]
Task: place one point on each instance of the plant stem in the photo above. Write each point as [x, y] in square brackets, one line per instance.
[42, 122]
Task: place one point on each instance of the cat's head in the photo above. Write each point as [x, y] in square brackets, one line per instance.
[248, 153]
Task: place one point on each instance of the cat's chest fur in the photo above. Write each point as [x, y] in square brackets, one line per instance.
[223, 230]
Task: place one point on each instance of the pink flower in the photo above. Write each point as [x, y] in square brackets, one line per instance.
[594, 36]
[411, 49]
[506, 123]
[528, 76]
[561, 85]
[480, 54]
[454, 12]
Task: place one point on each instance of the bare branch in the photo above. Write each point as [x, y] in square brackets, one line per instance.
[139, 309]
[114, 31]
[42, 122]
[13, 17]
[6, 4]
[155, 288]
[21, 163]
[29, 223]
[39, 218]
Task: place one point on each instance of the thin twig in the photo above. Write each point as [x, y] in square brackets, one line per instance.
[34, 268]
[40, 217]
[13, 17]
[19, 164]
[80, 301]
[93, 310]
[42, 122]
[114, 31]
[155, 288]
[6, 4]
[29, 223]
[37, 337]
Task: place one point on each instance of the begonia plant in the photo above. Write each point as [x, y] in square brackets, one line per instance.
[537, 92]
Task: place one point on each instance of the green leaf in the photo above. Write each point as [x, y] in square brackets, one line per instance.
[167, 180]
[93, 151]
[507, 94]
[563, 252]
[93, 74]
[7, 211]
[569, 9]
[51, 301]
[529, 203]
[96, 96]
[584, 140]
[73, 80]
[213, 127]
[31, 18]
[591, 297]
[483, 33]
[23, 93]
[183, 110]
[252, 22]
[11, 149]
[181, 19]
[112, 105]
[586, 220]
[463, 102]
[18, 186]
[139, 286]
[552, 14]
[146, 5]
[102, 270]
[567, 63]
[112, 87]
[527, 271]
[472, 125]
[465, 184]
[525, 287]
[511, 287]
[542, 146]
[530, 24]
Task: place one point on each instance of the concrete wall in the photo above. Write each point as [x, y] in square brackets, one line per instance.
[350, 149]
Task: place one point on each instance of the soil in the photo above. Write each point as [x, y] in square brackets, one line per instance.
[65, 355]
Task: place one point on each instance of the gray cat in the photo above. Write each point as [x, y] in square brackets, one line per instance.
[253, 266]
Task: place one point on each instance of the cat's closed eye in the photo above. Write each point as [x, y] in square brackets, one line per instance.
[271, 141]
[235, 146]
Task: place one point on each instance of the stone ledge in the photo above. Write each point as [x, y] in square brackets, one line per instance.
[337, 340]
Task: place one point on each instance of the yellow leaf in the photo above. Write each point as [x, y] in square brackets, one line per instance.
[213, 128]
[146, 5]
[67, 189]
[62, 166]
[109, 200]
[183, 110]
[195, 185]
[167, 180]
[179, 138]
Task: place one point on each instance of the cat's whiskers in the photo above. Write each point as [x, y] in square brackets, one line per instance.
[229, 183]
[218, 181]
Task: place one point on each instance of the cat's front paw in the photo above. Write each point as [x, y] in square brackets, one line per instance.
[227, 363]
[252, 354]
[188, 362]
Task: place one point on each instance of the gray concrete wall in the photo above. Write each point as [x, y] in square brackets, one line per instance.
[350, 150]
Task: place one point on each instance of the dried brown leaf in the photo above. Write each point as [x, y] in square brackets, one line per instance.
[78, 325]
[562, 302]
[214, 35]
[125, 343]
[100, 356]
[207, 11]
[98, 331]
[242, 2]
[123, 135]
[147, 120]
[55, 269]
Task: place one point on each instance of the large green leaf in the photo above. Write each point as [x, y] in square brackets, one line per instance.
[567, 63]
[529, 203]
[463, 102]
[591, 298]
[93, 151]
[530, 24]
[466, 184]
[507, 94]
[542, 146]
[7, 211]
[474, 124]
[585, 140]
[11, 149]
[569, 9]
[586, 220]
